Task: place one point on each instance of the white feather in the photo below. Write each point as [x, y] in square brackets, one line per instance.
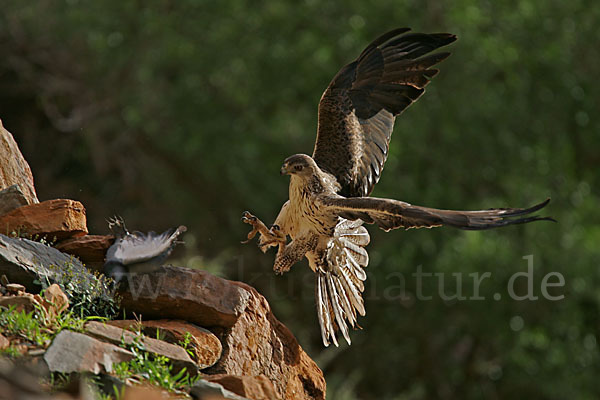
[339, 283]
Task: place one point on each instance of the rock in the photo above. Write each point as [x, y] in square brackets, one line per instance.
[21, 381]
[181, 293]
[10, 198]
[254, 341]
[253, 387]
[60, 219]
[55, 302]
[148, 393]
[4, 342]
[90, 249]
[205, 345]
[55, 296]
[14, 170]
[76, 352]
[36, 352]
[15, 288]
[259, 344]
[205, 390]
[26, 261]
[177, 354]
[22, 303]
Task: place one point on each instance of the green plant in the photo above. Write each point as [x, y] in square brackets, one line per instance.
[117, 394]
[37, 327]
[90, 294]
[58, 381]
[155, 369]
[186, 343]
[28, 326]
[101, 390]
[11, 352]
[36, 237]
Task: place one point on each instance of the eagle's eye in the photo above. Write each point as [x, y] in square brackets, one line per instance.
[298, 167]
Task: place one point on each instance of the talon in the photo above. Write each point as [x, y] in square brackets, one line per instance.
[268, 237]
[251, 235]
[248, 218]
[279, 272]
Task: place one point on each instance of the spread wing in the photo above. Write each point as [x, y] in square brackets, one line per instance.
[357, 110]
[340, 276]
[391, 214]
[138, 247]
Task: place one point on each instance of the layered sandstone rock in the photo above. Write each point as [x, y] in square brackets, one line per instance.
[205, 347]
[90, 249]
[254, 342]
[14, 170]
[227, 327]
[52, 219]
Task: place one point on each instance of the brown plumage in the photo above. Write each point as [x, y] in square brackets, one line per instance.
[358, 108]
[328, 192]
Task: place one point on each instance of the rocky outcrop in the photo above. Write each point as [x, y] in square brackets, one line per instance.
[258, 341]
[222, 329]
[248, 350]
[14, 170]
[254, 342]
[52, 219]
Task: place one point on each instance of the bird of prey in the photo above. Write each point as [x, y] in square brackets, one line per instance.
[329, 192]
[137, 252]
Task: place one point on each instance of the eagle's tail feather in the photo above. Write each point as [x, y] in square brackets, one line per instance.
[340, 279]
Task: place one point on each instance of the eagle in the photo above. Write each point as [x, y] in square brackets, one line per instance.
[329, 191]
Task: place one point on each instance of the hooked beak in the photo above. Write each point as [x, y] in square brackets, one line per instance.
[284, 170]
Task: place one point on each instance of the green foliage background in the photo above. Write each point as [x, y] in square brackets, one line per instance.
[172, 112]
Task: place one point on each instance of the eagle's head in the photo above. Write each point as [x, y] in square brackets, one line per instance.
[299, 165]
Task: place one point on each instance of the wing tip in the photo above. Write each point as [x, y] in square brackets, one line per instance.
[446, 38]
[442, 39]
[535, 208]
[509, 217]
